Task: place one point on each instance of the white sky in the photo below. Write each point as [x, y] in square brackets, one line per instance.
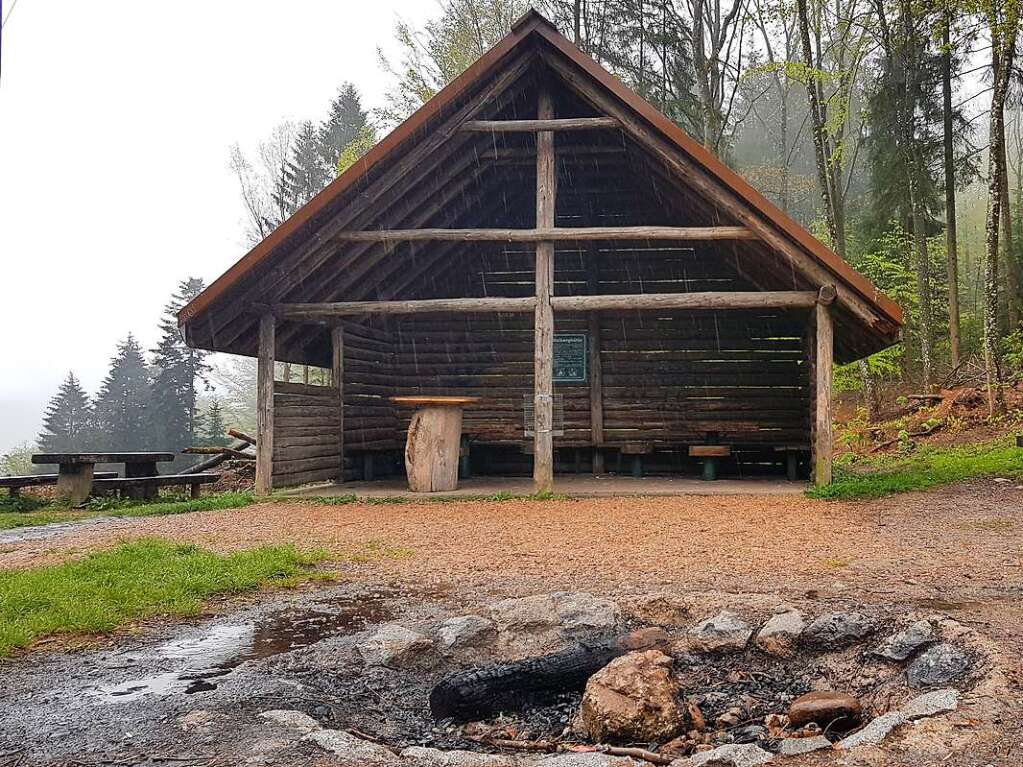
[115, 123]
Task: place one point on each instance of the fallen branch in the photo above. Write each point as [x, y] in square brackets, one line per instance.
[228, 451]
[241, 435]
[636, 753]
[215, 460]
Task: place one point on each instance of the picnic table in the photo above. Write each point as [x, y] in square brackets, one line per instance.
[433, 443]
[76, 470]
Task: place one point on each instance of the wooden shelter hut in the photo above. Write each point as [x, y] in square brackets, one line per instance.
[540, 237]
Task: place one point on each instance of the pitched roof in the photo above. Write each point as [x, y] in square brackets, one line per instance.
[534, 24]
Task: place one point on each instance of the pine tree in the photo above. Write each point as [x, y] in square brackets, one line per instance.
[343, 124]
[306, 174]
[176, 369]
[214, 428]
[122, 405]
[67, 425]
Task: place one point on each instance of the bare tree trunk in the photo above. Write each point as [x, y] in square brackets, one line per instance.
[1008, 250]
[577, 15]
[869, 391]
[951, 244]
[923, 282]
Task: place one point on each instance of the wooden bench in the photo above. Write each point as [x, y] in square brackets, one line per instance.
[637, 450]
[14, 484]
[710, 455]
[792, 454]
[152, 483]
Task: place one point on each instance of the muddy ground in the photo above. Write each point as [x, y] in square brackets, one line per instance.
[190, 692]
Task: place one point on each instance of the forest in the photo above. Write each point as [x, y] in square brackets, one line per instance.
[892, 129]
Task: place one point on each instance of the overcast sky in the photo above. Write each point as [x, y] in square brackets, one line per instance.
[116, 119]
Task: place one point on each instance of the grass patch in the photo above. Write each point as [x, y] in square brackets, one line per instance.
[26, 511]
[136, 580]
[924, 468]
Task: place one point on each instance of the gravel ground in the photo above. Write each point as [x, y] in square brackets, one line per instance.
[957, 550]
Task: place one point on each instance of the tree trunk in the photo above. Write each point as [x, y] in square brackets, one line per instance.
[923, 283]
[1008, 250]
[951, 246]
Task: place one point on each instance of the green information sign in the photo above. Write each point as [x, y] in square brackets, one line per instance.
[570, 350]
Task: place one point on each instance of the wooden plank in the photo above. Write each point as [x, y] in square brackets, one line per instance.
[125, 458]
[265, 406]
[596, 371]
[709, 451]
[421, 306]
[532, 126]
[823, 446]
[551, 234]
[337, 377]
[782, 299]
[543, 318]
[303, 389]
[38, 480]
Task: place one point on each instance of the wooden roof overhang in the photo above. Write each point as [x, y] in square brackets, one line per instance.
[444, 168]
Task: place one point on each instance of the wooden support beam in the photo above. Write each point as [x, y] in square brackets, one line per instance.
[782, 299]
[596, 372]
[543, 323]
[824, 351]
[551, 234]
[265, 406]
[337, 376]
[421, 306]
[534, 126]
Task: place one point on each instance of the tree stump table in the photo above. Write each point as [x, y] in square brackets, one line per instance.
[433, 443]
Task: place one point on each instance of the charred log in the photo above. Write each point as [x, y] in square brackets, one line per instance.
[483, 691]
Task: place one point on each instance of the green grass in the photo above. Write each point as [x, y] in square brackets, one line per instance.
[923, 468]
[26, 511]
[136, 580]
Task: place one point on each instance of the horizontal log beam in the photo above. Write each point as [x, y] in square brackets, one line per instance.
[423, 306]
[786, 299]
[558, 234]
[532, 126]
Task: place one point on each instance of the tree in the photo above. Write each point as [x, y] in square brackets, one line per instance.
[1003, 21]
[176, 370]
[266, 195]
[345, 121]
[68, 423]
[214, 428]
[306, 174]
[17, 461]
[122, 405]
[356, 148]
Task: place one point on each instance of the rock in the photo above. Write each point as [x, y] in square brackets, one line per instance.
[393, 645]
[352, 751]
[418, 756]
[938, 665]
[586, 760]
[633, 698]
[463, 631]
[696, 720]
[725, 632]
[579, 611]
[826, 708]
[876, 731]
[931, 704]
[525, 613]
[902, 645]
[779, 636]
[292, 720]
[835, 630]
[657, 609]
[800, 746]
[733, 755]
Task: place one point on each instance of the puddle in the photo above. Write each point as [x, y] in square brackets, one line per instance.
[203, 660]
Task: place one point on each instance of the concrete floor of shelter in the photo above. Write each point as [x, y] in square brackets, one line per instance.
[571, 484]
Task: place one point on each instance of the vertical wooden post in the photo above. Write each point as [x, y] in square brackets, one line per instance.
[823, 363]
[265, 406]
[337, 376]
[596, 374]
[543, 324]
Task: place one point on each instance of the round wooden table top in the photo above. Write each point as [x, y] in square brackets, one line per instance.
[435, 401]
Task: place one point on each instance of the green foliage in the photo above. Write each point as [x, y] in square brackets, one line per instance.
[69, 421]
[214, 428]
[17, 461]
[356, 148]
[134, 581]
[923, 468]
[346, 121]
[1012, 354]
[122, 404]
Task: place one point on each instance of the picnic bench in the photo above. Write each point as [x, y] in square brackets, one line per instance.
[15, 484]
[76, 475]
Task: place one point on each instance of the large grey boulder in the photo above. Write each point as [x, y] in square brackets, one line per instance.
[351, 751]
[419, 756]
[800, 746]
[464, 631]
[579, 611]
[939, 665]
[525, 613]
[780, 635]
[931, 704]
[832, 631]
[587, 760]
[899, 647]
[393, 645]
[292, 720]
[724, 632]
[876, 731]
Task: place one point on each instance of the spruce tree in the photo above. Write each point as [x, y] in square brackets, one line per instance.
[343, 124]
[122, 405]
[176, 369]
[214, 428]
[67, 425]
[306, 174]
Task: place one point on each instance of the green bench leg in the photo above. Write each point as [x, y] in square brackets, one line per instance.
[792, 466]
[637, 466]
[710, 469]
